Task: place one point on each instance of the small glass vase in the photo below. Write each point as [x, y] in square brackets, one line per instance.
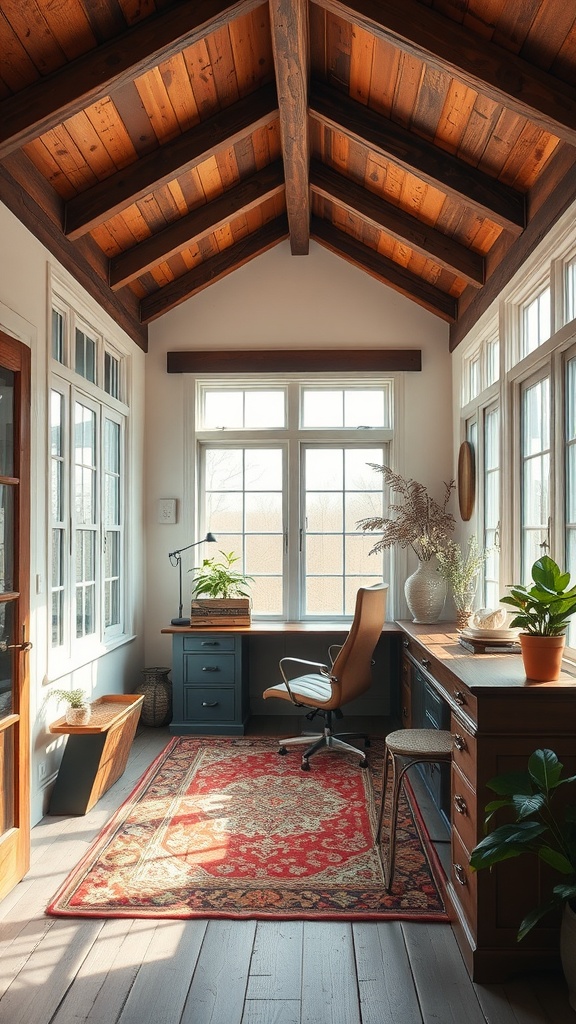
[464, 604]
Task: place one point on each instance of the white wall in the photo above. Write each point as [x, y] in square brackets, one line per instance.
[279, 301]
[24, 303]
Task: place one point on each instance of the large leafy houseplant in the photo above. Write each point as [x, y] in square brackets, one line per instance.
[217, 578]
[542, 613]
[539, 828]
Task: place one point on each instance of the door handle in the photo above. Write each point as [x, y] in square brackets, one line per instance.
[26, 645]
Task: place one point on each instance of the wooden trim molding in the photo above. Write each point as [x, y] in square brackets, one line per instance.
[295, 361]
[466, 480]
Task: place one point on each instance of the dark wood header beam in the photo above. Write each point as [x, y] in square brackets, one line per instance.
[42, 106]
[296, 361]
[490, 198]
[495, 72]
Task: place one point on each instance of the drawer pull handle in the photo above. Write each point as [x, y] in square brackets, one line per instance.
[426, 662]
[209, 643]
[404, 712]
[460, 874]
[459, 742]
[210, 703]
[460, 804]
[459, 697]
[209, 668]
[406, 644]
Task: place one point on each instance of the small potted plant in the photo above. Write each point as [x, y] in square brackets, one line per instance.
[461, 570]
[220, 593]
[545, 832]
[78, 711]
[542, 613]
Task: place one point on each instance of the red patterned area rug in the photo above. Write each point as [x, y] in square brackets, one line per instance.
[227, 828]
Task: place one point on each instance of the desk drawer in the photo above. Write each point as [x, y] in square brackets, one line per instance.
[464, 751]
[210, 704]
[209, 643]
[464, 880]
[464, 815]
[209, 668]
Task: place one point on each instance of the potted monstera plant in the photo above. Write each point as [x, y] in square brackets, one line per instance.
[545, 830]
[542, 613]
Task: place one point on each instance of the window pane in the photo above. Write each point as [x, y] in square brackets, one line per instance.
[364, 408]
[57, 336]
[264, 552]
[224, 512]
[325, 469]
[224, 469]
[6, 538]
[324, 553]
[85, 363]
[324, 512]
[492, 360]
[535, 473]
[7, 423]
[322, 409]
[263, 512]
[111, 375]
[570, 290]
[324, 595]
[223, 409]
[264, 409]
[263, 469]
[253, 409]
[536, 322]
[570, 539]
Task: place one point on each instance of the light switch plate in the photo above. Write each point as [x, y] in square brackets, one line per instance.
[167, 510]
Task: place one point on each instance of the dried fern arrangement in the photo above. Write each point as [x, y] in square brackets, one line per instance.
[417, 521]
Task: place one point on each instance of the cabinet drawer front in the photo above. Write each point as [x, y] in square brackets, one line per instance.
[464, 881]
[209, 668]
[209, 643]
[464, 751]
[464, 815]
[212, 704]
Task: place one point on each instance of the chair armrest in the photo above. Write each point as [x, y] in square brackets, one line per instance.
[324, 670]
[334, 647]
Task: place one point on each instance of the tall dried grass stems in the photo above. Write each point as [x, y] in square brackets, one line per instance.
[418, 521]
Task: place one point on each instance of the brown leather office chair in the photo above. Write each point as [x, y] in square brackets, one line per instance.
[331, 686]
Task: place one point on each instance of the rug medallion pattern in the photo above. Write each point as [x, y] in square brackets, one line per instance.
[227, 828]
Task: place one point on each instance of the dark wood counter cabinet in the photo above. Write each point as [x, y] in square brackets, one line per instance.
[497, 719]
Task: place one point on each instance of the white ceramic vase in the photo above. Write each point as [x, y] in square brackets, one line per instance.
[568, 951]
[425, 592]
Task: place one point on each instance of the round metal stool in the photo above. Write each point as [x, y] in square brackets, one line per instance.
[404, 748]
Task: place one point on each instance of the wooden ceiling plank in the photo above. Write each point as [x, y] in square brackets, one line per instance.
[384, 269]
[158, 167]
[499, 74]
[375, 360]
[41, 106]
[238, 200]
[402, 226]
[289, 27]
[450, 175]
[213, 270]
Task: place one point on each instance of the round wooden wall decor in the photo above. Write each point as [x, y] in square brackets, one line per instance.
[466, 480]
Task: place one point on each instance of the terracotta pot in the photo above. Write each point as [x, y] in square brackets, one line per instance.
[542, 656]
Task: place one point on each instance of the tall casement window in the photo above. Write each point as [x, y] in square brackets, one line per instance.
[284, 476]
[571, 479]
[491, 505]
[535, 324]
[535, 472]
[87, 486]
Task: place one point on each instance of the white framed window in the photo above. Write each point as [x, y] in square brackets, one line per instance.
[535, 483]
[286, 487]
[570, 289]
[535, 321]
[87, 431]
[570, 495]
[491, 504]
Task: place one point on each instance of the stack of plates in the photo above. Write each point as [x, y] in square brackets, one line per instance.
[490, 634]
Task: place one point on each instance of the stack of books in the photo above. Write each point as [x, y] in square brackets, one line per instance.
[490, 641]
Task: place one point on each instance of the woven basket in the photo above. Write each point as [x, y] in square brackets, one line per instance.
[157, 690]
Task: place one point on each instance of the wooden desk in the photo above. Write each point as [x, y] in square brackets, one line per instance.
[211, 668]
[96, 754]
[497, 719]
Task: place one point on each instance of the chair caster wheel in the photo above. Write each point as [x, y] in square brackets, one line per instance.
[305, 766]
[282, 750]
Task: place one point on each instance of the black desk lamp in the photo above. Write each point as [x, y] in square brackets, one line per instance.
[175, 559]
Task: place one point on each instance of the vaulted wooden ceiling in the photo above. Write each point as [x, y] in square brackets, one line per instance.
[156, 146]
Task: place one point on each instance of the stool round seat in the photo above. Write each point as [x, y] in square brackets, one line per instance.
[405, 748]
[429, 743]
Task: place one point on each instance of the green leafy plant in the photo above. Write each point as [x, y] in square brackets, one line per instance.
[543, 609]
[75, 698]
[537, 829]
[217, 578]
[461, 568]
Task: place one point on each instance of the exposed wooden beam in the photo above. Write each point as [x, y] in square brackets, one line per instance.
[375, 360]
[497, 73]
[490, 198]
[402, 226]
[384, 269]
[213, 270]
[120, 190]
[236, 201]
[557, 192]
[33, 111]
[289, 27]
[30, 198]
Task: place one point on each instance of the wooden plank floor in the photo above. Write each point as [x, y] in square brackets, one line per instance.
[75, 971]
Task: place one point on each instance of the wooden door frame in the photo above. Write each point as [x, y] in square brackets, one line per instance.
[16, 356]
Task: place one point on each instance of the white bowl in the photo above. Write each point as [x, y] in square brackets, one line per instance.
[491, 634]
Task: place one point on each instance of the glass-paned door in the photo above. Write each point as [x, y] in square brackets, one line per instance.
[14, 611]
